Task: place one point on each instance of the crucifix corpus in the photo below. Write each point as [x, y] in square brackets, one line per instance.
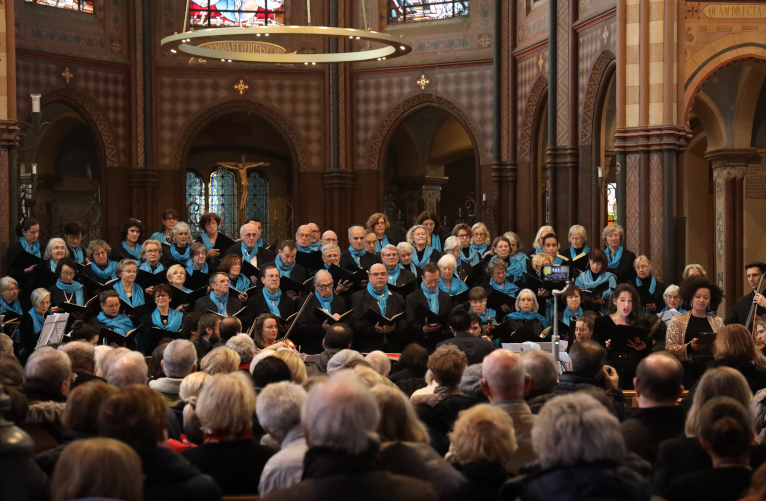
[242, 167]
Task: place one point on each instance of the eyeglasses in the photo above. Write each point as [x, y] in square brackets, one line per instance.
[161, 296]
[324, 287]
[67, 274]
[250, 235]
[643, 267]
[303, 235]
[152, 251]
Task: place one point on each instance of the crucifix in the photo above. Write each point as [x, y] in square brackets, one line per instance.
[242, 167]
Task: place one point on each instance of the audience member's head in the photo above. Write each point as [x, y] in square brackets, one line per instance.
[191, 386]
[503, 376]
[51, 368]
[244, 346]
[587, 358]
[447, 364]
[12, 377]
[119, 470]
[84, 332]
[229, 327]
[294, 362]
[574, 429]
[179, 359]
[341, 415]
[414, 358]
[155, 362]
[470, 383]
[659, 380]
[483, 433]
[190, 326]
[270, 370]
[541, 369]
[459, 320]
[734, 344]
[379, 361]
[84, 404]
[340, 359]
[398, 420]
[82, 355]
[208, 326]
[338, 337]
[127, 369]
[6, 344]
[137, 415]
[726, 430]
[221, 360]
[107, 359]
[226, 404]
[279, 408]
[716, 382]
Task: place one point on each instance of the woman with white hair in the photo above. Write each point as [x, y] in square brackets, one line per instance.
[448, 282]
[578, 247]
[32, 322]
[229, 454]
[526, 324]
[417, 237]
[620, 259]
[220, 360]
[178, 252]
[649, 288]
[126, 286]
[10, 305]
[44, 274]
[406, 251]
[580, 451]
[480, 239]
[452, 247]
[672, 298]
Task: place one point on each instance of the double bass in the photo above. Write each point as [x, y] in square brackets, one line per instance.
[752, 316]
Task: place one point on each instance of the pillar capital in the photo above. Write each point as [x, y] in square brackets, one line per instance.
[730, 163]
[339, 179]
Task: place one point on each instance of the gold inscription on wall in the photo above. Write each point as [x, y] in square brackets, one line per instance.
[735, 11]
[245, 47]
[755, 187]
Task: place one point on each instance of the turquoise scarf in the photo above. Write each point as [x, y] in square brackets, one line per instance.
[190, 269]
[436, 242]
[38, 320]
[174, 320]
[508, 288]
[135, 254]
[568, 314]
[432, 297]
[284, 270]
[120, 324]
[206, 240]
[177, 255]
[147, 267]
[393, 276]
[456, 286]
[614, 261]
[357, 254]
[74, 287]
[325, 302]
[585, 250]
[272, 300]
[380, 296]
[532, 315]
[138, 294]
[426, 257]
[77, 254]
[34, 250]
[248, 253]
[488, 312]
[220, 302]
[381, 243]
[242, 283]
[14, 307]
[105, 274]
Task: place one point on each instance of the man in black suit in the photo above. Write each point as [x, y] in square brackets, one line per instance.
[369, 336]
[428, 335]
[396, 274]
[475, 348]
[250, 235]
[311, 329]
[209, 334]
[269, 299]
[742, 307]
[219, 300]
[286, 263]
[356, 256]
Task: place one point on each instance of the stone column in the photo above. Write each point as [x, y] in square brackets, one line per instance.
[650, 128]
[729, 168]
[339, 199]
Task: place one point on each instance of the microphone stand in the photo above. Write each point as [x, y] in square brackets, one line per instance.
[555, 337]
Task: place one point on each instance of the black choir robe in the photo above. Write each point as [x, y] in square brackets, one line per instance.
[415, 324]
[624, 271]
[308, 333]
[203, 304]
[264, 255]
[256, 304]
[167, 258]
[367, 260]
[299, 273]
[365, 337]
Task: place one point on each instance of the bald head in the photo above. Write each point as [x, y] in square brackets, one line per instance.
[329, 237]
[503, 376]
[128, 369]
[249, 233]
[303, 235]
[659, 380]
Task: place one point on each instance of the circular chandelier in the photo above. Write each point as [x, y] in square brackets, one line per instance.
[250, 44]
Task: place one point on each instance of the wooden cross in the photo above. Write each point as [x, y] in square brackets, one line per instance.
[242, 167]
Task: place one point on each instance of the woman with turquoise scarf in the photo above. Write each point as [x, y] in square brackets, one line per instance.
[578, 244]
[131, 234]
[537, 244]
[477, 299]
[101, 268]
[468, 253]
[433, 226]
[379, 224]
[448, 282]
[596, 277]
[127, 288]
[526, 321]
[163, 317]
[497, 270]
[169, 220]
[480, 239]
[32, 324]
[648, 288]
[506, 250]
[214, 240]
[424, 253]
[178, 250]
[29, 233]
[44, 274]
[10, 305]
[66, 290]
[620, 260]
[452, 248]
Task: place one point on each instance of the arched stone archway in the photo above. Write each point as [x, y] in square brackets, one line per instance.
[597, 74]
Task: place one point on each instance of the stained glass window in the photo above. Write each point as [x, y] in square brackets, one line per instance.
[213, 13]
[195, 200]
[257, 202]
[223, 199]
[78, 5]
[406, 11]
[611, 203]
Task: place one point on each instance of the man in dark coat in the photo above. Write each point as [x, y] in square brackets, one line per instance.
[248, 249]
[475, 348]
[429, 334]
[341, 462]
[219, 283]
[310, 329]
[356, 256]
[743, 305]
[368, 335]
[269, 296]
[658, 384]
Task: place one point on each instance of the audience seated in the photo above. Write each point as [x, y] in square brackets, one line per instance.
[339, 418]
[380, 362]
[220, 360]
[681, 456]
[244, 346]
[83, 357]
[118, 466]
[475, 348]
[725, 433]
[504, 382]
[411, 369]
[48, 375]
[580, 452]
[543, 376]
[338, 337]
[269, 370]
[178, 361]
[127, 369]
[229, 454]
[483, 444]
[279, 413]
[447, 364]
[658, 385]
[137, 415]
